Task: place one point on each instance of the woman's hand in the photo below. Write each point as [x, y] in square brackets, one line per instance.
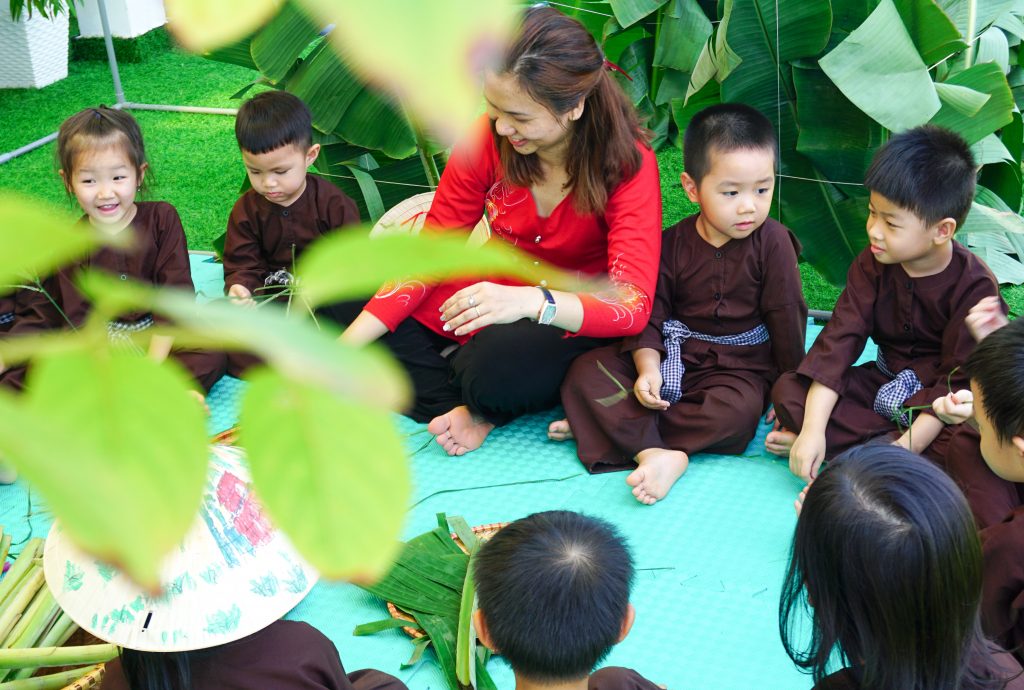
[484, 304]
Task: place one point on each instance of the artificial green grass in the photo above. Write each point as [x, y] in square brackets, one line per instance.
[194, 159]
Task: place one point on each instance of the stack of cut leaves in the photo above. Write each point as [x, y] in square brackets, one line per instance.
[432, 582]
[33, 627]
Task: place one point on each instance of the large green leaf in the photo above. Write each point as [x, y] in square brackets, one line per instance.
[238, 53]
[36, 240]
[628, 12]
[276, 48]
[684, 31]
[1005, 178]
[878, 68]
[331, 472]
[986, 79]
[293, 345]
[933, 33]
[396, 179]
[349, 264]
[993, 47]
[201, 25]
[116, 445]
[830, 228]
[438, 84]
[837, 136]
[986, 12]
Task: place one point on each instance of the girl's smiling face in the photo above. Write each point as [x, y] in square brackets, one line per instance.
[104, 181]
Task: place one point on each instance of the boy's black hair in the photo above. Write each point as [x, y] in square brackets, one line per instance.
[553, 589]
[886, 563]
[927, 170]
[724, 128]
[273, 119]
[997, 368]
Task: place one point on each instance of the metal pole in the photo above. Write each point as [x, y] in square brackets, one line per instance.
[111, 57]
[180, 108]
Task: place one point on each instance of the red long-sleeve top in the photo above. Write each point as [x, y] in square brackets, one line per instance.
[623, 243]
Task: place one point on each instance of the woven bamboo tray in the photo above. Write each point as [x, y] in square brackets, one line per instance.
[483, 532]
[89, 680]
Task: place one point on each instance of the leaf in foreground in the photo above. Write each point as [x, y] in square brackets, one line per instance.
[331, 472]
[117, 447]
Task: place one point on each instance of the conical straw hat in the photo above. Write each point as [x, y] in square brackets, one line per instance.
[233, 575]
[407, 218]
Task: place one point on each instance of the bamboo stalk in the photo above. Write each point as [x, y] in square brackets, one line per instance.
[5, 546]
[18, 570]
[31, 637]
[54, 681]
[14, 609]
[56, 656]
[41, 605]
[58, 634]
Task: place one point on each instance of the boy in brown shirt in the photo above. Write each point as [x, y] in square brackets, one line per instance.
[910, 291]
[287, 208]
[728, 317]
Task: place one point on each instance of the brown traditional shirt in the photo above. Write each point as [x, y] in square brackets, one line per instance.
[917, 322]
[729, 290]
[264, 237]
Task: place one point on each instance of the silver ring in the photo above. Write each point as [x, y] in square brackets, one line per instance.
[478, 312]
[472, 300]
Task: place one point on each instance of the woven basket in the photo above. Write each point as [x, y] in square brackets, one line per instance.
[92, 679]
[483, 532]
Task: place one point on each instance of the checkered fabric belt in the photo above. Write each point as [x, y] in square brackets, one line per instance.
[6, 318]
[675, 333]
[120, 332]
[281, 277]
[891, 396]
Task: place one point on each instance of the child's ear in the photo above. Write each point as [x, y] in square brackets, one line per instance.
[1018, 446]
[945, 229]
[627, 622]
[64, 179]
[311, 154]
[480, 623]
[690, 187]
[142, 172]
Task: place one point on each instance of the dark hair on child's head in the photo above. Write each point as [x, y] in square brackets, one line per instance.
[557, 62]
[887, 563]
[927, 170]
[997, 368]
[99, 128]
[273, 119]
[724, 128]
[553, 589]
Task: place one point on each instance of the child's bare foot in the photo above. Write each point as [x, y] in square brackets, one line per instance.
[559, 430]
[459, 432]
[779, 442]
[659, 470]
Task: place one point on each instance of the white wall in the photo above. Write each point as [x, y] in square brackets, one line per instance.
[128, 18]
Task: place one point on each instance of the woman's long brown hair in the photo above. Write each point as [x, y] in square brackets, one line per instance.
[557, 63]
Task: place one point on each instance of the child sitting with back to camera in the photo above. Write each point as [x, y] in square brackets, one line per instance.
[910, 292]
[728, 318]
[887, 565]
[553, 593]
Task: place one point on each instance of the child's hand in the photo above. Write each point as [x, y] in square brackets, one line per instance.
[241, 295]
[985, 317]
[798, 504]
[955, 408]
[647, 390]
[806, 455]
[201, 399]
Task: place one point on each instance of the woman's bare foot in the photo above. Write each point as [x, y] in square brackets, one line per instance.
[779, 442]
[559, 430]
[459, 431]
[659, 470]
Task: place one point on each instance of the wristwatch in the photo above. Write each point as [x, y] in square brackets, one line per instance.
[547, 310]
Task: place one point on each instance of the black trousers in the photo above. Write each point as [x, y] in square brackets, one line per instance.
[503, 372]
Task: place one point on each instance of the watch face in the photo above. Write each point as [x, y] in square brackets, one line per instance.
[547, 315]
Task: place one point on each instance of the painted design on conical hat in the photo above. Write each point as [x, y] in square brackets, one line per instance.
[233, 575]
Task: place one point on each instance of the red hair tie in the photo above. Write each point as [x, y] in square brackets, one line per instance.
[608, 64]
